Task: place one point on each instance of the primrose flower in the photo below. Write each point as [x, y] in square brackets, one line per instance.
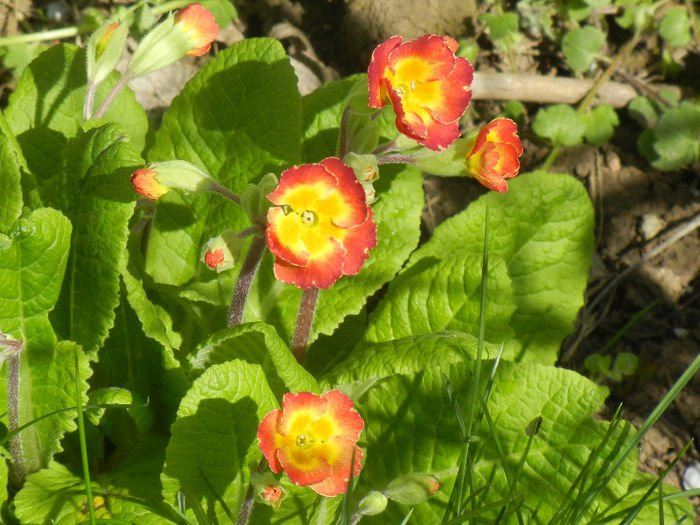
[313, 439]
[320, 227]
[495, 155]
[190, 32]
[428, 86]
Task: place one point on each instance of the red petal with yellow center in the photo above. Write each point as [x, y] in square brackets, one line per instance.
[300, 409]
[284, 237]
[337, 481]
[201, 24]
[304, 466]
[301, 186]
[454, 92]
[346, 421]
[359, 240]
[347, 206]
[267, 432]
[320, 272]
[493, 164]
[424, 59]
[377, 72]
[146, 184]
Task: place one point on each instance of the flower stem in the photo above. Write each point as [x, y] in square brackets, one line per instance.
[343, 146]
[221, 190]
[112, 95]
[396, 158]
[305, 317]
[13, 384]
[89, 99]
[249, 500]
[245, 279]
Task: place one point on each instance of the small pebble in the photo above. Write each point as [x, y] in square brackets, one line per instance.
[691, 477]
[650, 225]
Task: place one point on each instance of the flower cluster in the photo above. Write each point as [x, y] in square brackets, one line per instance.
[314, 440]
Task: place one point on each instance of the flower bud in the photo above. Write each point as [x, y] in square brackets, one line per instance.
[254, 198]
[412, 489]
[190, 32]
[221, 252]
[367, 172]
[372, 504]
[160, 177]
[104, 50]
[268, 489]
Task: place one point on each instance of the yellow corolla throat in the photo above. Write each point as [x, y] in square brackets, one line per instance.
[410, 82]
[308, 230]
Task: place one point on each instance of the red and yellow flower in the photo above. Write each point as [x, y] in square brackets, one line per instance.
[428, 86]
[313, 439]
[320, 227]
[495, 155]
[200, 25]
[146, 183]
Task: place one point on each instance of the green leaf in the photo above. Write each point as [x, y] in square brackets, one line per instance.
[256, 343]
[397, 215]
[580, 46]
[411, 427]
[99, 203]
[645, 110]
[543, 230]
[46, 109]
[10, 184]
[600, 124]
[561, 124]
[501, 25]
[223, 10]
[256, 129]
[677, 137]
[675, 27]
[214, 437]
[446, 296]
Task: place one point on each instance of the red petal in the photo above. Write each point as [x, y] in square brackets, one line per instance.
[321, 273]
[337, 482]
[375, 72]
[350, 191]
[431, 49]
[358, 242]
[201, 23]
[340, 409]
[318, 470]
[266, 439]
[291, 251]
[295, 402]
[456, 92]
[307, 175]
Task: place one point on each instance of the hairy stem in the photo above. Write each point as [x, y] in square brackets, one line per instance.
[112, 95]
[89, 100]
[13, 351]
[245, 279]
[305, 317]
[396, 158]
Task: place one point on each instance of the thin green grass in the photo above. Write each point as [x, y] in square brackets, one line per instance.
[83, 442]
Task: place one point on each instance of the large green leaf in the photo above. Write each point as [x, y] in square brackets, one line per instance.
[46, 109]
[32, 264]
[543, 229]
[446, 296]
[411, 427]
[98, 200]
[214, 437]
[257, 343]
[238, 118]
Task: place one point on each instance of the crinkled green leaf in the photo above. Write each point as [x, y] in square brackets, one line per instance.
[256, 343]
[130, 493]
[46, 109]
[600, 124]
[561, 124]
[580, 46]
[10, 184]
[238, 118]
[677, 137]
[98, 200]
[675, 27]
[213, 440]
[156, 321]
[543, 229]
[411, 427]
[446, 296]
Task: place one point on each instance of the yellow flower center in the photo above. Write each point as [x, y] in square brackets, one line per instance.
[410, 82]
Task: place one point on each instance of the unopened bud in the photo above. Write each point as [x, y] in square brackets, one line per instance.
[221, 252]
[104, 50]
[160, 177]
[412, 489]
[373, 503]
[254, 197]
[268, 489]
